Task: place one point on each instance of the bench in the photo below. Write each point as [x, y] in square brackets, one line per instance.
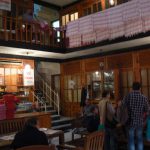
[12, 125]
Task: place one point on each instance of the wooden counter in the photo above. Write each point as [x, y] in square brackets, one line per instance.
[44, 118]
[17, 123]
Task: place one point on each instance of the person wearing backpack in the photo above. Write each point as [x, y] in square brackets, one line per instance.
[107, 122]
[136, 104]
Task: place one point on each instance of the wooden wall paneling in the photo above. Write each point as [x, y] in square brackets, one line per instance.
[93, 64]
[72, 67]
[136, 66]
[144, 58]
[120, 61]
[62, 88]
[116, 84]
[83, 81]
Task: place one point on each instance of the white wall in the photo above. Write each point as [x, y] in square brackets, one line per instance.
[48, 69]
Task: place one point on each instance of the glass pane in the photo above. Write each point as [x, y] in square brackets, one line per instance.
[124, 79]
[96, 90]
[124, 91]
[149, 92]
[109, 81]
[99, 6]
[144, 77]
[65, 82]
[79, 82]
[20, 71]
[63, 20]
[89, 10]
[13, 76]
[67, 18]
[1, 76]
[130, 78]
[85, 12]
[75, 96]
[72, 17]
[76, 16]
[7, 76]
[148, 76]
[89, 79]
[145, 91]
[94, 8]
[74, 79]
[96, 76]
[79, 95]
[69, 95]
[66, 95]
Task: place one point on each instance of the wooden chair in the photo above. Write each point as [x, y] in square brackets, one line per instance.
[93, 141]
[13, 125]
[38, 147]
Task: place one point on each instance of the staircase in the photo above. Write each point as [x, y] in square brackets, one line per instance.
[48, 101]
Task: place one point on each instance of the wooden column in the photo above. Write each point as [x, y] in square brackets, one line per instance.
[136, 66]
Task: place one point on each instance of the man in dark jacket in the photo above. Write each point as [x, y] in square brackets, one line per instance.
[30, 135]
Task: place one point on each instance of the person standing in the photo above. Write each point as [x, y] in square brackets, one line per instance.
[137, 105]
[106, 113]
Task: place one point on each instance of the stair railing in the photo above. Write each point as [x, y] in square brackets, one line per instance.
[40, 102]
[51, 96]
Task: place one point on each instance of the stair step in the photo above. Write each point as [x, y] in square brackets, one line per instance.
[53, 112]
[49, 108]
[55, 117]
[62, 127]
[61, 121]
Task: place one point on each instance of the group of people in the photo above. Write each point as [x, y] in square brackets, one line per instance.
[129, 116]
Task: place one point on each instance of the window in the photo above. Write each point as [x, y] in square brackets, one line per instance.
[126, 78]
[89, 11]
[98, 81]
[94, 8]
[74, 16]
[99, 6]
[72, 88]
[65, 19]
[145, 81]
[56, 24]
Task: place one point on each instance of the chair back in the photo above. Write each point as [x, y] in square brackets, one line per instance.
[94, 141]
[13, 125]
[37, 147]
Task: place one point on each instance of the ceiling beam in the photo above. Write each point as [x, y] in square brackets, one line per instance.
[49, 5]
[71, 4]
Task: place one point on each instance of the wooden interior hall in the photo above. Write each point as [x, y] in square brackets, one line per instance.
[71, 44]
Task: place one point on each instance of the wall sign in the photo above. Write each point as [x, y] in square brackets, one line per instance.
[5, 5]
[28, 77]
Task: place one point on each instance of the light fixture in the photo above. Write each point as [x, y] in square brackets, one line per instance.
[27, 67]
[96, 72]
[112, 2]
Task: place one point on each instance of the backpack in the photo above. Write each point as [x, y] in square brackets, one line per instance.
[123, 116]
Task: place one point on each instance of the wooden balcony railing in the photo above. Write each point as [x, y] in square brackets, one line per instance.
[15, 29]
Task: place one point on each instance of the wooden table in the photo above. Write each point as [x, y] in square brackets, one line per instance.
[5, 143]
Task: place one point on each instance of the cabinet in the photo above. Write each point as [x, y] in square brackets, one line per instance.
[98, 81]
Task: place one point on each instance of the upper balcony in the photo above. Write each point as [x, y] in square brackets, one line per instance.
[30, 33]
[126, 20]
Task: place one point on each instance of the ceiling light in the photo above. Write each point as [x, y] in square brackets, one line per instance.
[111, 2]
